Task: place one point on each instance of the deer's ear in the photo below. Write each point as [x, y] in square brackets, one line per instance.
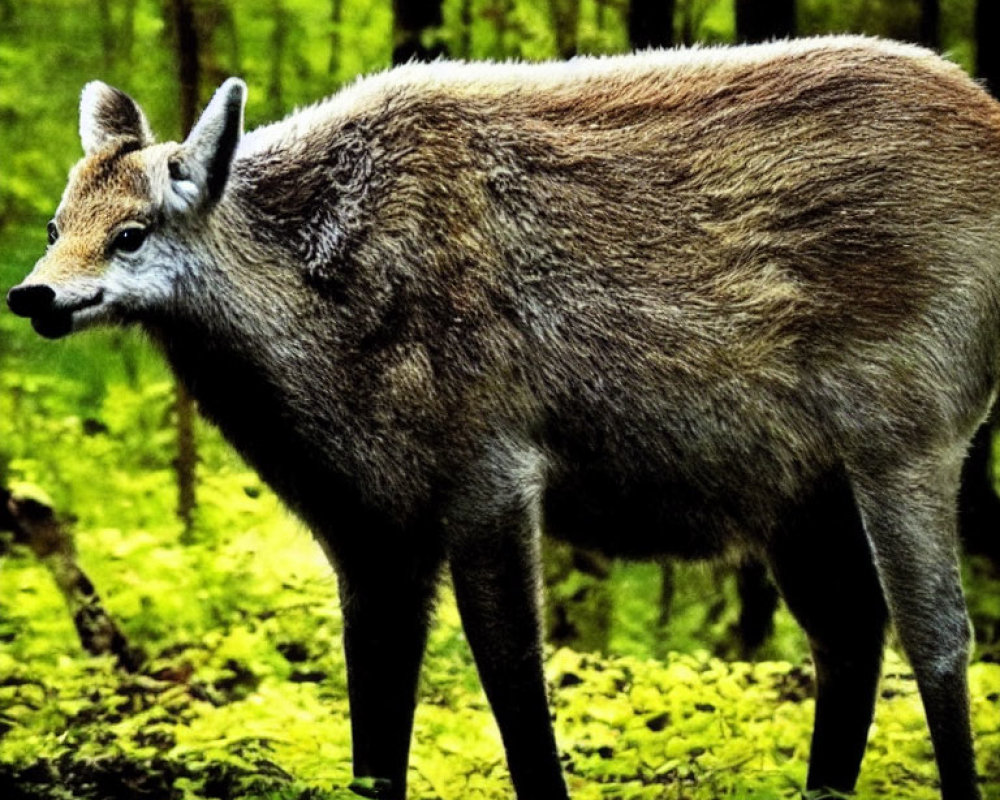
[107, 113]
[200, 169]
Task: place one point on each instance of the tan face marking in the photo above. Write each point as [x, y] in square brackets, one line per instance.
[105, 191]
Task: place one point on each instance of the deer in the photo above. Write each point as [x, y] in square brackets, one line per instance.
[731, 302]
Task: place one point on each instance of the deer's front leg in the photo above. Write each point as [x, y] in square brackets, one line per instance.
[492, 540]
[386, 601]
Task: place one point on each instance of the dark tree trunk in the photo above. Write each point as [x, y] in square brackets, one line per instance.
[465, 37]
[217, 35]
[411, 19]
[186, 47]
[565, 16]
[214, 33]
[930, 23]
[692, 14]
[602, 14]
[687, 23]
[988, 44]
[651, 23]
[762, 20]
[336, 17]
[189, 73]
[279, 41]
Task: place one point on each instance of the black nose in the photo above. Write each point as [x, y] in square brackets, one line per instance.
[31, 300]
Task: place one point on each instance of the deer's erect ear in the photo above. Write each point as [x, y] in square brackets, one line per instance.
[198, 173]
[107, 113]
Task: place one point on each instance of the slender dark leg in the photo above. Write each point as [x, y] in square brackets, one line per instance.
[386, 603]
[758, 602]
[825, 572]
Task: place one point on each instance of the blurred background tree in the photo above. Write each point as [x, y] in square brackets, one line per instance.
[987, 28]
[414, 30]
[761, 20]
[651, 23]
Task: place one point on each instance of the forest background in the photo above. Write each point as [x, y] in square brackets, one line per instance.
[228, 679]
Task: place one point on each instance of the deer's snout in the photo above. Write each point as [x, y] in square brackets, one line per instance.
[32, 300]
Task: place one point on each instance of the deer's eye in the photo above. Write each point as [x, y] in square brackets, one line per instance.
[52, 230]
[128, 240]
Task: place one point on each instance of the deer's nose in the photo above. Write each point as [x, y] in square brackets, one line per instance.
[31, 300]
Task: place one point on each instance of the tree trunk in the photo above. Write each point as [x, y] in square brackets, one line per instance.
[565, 16]
[762, 20]
[189, 73]
[651, 23]
[336, 19]
[279, 39]
[213, 22]
[691, 17]
[465, 37]
[987, 41]
[411, 18]
[188, 63]
[217, 35]
[930, 23]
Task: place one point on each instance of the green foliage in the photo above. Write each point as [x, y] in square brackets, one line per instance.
[257, 704]
[703, 615]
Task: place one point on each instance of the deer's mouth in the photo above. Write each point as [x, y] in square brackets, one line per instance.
[53, 324]
[63, 318]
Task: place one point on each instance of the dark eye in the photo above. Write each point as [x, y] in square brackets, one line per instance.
[52, 231]
[128, 240]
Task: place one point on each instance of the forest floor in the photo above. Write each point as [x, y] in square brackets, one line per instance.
[243, 692]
